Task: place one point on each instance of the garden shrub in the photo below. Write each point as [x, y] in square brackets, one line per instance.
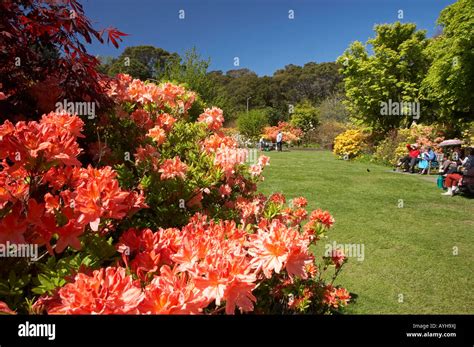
[305, 117]
[326, 133]
[251, 124]
[159, 214]
[350, 143]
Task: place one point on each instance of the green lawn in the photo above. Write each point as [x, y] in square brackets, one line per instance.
[408, 250]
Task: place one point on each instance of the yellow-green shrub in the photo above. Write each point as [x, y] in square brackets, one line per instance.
[350, 143]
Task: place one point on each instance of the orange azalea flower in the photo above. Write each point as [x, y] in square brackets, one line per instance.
[338, 257]
[172, 168]
[255, 170]
[323, 217]
[343, 296]
[269, 249]
[213, 118]
[71, 124]
[146, 153]
[172, 293]
[336, 297]
[239, 294]
[297, 262]
[276, 246]
[212, 285]
[300, 202]
[225, 190]
[53, 139]
[278, 198]
[105, 291]
[13, 227]
[4, 309]
[157, 134]
[263, 160]
[165, 121]
[99, 195]
[142, 118]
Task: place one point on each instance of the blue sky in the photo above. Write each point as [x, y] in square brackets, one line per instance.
[258, 32]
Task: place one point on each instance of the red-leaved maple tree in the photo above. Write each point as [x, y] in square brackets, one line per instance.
[42, 48]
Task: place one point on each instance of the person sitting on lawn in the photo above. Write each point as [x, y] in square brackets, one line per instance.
[409, 161]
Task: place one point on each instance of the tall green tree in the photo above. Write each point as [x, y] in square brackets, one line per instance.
[143, 62]
[393, 72]
[192, 71]
[450, 79]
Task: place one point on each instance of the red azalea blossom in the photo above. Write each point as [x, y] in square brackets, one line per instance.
[4, 309]
[106, 291]
[172, 168]
[212, 117]
[300, 202]
[323, 217]
[278, 198]
[157, 134]
[337, 257]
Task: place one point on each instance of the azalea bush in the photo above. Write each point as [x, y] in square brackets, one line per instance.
[350, 144]
[291, 134]
[144, 210]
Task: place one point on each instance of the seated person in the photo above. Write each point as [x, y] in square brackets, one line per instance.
[409, 161]
[450, 170]
[428, 157]
[467, 168]
[468, 161]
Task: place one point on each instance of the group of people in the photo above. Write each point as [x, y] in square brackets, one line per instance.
[451, 170]
[423, 158]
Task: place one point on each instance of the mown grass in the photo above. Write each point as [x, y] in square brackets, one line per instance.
[409, 250]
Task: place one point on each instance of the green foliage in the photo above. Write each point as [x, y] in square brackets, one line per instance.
[305, 116]
[326, 133]
[394, 71]
[450, 78]
[143, 62]
[333, 109]
[54, 273]
[251, 124]
[14, 281]
[192, 72]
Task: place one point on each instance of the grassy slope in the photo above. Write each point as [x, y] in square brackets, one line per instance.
[408, 250]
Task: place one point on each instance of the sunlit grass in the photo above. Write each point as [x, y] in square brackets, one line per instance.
[408, 250]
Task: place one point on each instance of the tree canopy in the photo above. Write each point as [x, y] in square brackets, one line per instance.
[450, 78]
[394, 72]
